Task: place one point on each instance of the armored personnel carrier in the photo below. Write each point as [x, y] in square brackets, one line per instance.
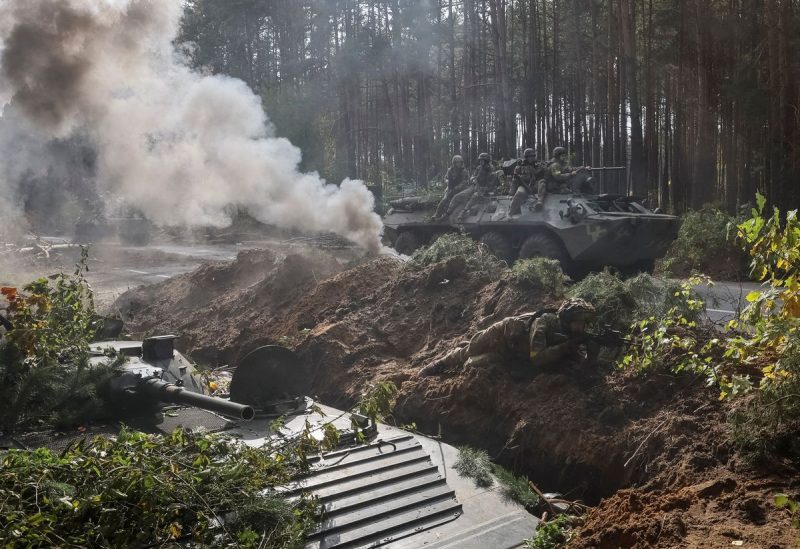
[380, 487]
[581, 231]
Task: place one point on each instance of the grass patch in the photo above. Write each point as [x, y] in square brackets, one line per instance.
[477, 256]
[516, 487]
[476, 465]
[540, 273]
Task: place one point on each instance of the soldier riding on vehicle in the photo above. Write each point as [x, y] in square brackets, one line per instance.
[457, 179]
[557, 175]
[481, 183]
[525, 175]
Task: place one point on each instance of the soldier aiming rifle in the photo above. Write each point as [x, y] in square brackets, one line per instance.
[542, 339]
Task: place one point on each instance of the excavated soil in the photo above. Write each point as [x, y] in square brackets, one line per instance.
[650, 453]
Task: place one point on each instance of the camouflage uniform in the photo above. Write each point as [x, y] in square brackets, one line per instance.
[485, 178]
[525, 175]
[543, 339]
[457, 179]
[557, 175]
[504, 340]
[483, 182]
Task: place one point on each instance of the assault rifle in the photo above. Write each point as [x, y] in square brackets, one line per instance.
[608, 338]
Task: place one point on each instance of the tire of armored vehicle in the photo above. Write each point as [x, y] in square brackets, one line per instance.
[582, 232]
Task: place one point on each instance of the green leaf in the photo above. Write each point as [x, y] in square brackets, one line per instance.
[781, 500]
[753, 296]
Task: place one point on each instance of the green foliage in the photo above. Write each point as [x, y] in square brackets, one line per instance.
[45, 378]
[53, 317]
[515, 487]
[540, 273]
[551, 534]
[770, 420]
[671, 340]
[619, 303]
[476, 465]
[783, 501]
[763, 356]
[477, 256]
[377, 401]
[143, 490]
[704, 241]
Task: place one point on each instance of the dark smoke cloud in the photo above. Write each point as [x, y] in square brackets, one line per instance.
[180, 146]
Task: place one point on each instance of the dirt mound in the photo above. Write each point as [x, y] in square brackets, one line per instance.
[220, 308]
[649, 446]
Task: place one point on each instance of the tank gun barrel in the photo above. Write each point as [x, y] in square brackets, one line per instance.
[173, 394]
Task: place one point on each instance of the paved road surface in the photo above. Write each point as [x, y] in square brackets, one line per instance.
[725, 299]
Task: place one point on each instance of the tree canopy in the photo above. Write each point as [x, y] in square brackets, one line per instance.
[698, 99]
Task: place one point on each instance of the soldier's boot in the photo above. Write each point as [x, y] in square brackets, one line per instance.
[443, 207]
[516, 203]
[435, 368]
[541, 193]
[483, 361]
[455, 357]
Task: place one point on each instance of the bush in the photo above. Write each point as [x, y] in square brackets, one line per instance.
[45, 376]
[620, 303]
[477, 256]
[769, 421]
[705, 244]
[144, 490]
[540, 273]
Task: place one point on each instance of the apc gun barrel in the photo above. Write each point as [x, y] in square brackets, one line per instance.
[171, 393]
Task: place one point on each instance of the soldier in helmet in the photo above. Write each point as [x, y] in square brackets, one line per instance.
[525, 176]
[484, 175]
[557, 175]
[541, 339]
[557, 337]
[483, 181]
[457, 180]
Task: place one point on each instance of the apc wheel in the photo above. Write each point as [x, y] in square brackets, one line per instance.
[406, 243]
[498, 244]
[544, 245]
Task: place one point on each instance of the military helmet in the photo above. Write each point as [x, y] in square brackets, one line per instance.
[558, 151]
[457, 159]
[528, 152]
[484, 156]
[574, 308]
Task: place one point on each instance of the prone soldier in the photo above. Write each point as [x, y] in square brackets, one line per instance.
[541, 339]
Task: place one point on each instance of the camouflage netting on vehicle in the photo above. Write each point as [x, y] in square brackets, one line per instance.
[643, 442]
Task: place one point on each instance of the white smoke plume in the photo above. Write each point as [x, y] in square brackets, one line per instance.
[178, 145]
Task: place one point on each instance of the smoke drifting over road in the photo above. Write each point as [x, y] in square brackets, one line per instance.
[179, 145]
